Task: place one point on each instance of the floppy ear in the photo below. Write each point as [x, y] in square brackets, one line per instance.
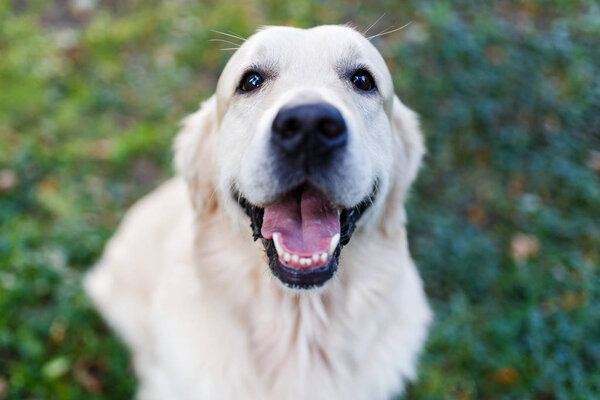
[195, 147]
[409, 149]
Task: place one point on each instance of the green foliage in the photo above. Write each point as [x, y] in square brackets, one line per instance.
[511, 110]
[504, 219]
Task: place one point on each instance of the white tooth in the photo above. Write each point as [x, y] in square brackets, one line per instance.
[295, 257]
[277, 244]
[315, 257]
[334, 242]
[307, 261]
[303, 261]
[323, 257]
[287, 257]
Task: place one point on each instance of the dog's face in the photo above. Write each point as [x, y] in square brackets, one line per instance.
[310, 143]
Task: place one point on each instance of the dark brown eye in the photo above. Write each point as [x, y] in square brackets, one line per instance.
[251, 81]
[363, 80]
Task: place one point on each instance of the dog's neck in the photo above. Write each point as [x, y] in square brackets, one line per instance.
[288, 329]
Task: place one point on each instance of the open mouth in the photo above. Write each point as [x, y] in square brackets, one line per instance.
[303, 234]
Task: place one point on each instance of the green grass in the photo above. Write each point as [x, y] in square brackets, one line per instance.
[504, 219]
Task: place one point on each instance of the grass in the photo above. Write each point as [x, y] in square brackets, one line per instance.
[504, 219]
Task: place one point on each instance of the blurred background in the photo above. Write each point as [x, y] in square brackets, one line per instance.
[504, 219]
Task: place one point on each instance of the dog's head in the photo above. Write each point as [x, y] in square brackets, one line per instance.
[306, 137]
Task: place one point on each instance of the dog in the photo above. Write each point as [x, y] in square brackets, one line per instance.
[275, 264]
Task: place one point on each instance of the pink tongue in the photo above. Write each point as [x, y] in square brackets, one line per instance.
[306, 223]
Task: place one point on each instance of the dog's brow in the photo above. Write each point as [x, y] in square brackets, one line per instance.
[348, 65]
[350, 61]
[266, 66]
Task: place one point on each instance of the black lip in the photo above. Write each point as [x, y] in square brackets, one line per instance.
[306, 279]
[297, 278]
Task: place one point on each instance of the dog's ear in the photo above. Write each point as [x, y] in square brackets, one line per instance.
[409, 149]
[195, 147]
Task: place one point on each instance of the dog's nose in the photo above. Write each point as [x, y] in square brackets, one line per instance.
[311, 130]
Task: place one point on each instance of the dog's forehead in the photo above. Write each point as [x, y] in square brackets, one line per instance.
[309, 53]
[317, 45]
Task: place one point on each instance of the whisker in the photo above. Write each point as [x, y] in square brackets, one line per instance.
[231, 35]
[224, 41]
[387, 32]
[208, 252]
[212, 195]
[229, 48]
[373, 24]
[237, 36]
[239, 198]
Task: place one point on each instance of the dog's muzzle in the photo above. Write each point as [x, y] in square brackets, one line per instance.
[302, 229]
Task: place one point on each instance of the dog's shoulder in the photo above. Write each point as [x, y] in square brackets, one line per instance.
[123, 282]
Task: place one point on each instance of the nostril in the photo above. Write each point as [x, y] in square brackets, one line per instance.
[290, 128]
[331, 129]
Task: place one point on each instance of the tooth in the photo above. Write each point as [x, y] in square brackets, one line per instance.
[277, 244]
[286, 256]
[323, 257]
[307, 262]
[315, 257]
[334, 242]
[295, 258]
[302, 261]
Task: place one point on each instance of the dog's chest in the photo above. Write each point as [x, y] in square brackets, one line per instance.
[300, 348]
[278, 345]
[294, 350]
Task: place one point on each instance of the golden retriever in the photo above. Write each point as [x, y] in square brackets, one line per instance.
[275, 264]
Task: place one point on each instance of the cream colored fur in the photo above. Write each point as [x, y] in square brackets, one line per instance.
[191, 294]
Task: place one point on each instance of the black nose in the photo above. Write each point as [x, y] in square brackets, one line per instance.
[309, 131]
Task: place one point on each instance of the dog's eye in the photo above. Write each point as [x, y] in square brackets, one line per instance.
[363, 80]
[251, 81]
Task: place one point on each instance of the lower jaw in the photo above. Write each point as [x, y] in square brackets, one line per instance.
[301, 278]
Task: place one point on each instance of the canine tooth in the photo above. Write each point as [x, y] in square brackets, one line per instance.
[334, 242]
[323, 257]
[277, 244]
[315, 257]
[286, 256]
[295, 257]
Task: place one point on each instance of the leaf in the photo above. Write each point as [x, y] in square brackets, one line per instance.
[523, 247]
[56, 368]
[507, 376]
